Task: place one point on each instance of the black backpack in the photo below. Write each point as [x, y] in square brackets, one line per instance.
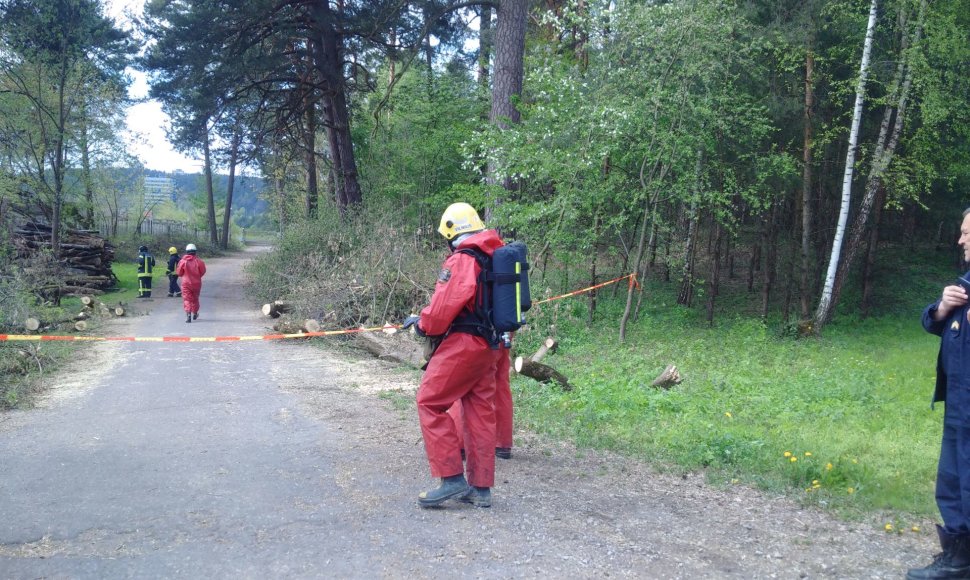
[502, 293]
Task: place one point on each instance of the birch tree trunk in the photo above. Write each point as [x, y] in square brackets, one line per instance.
[824, 311]
[885, 148]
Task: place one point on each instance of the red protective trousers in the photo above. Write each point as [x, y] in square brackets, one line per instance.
[502, 403]
[463, 369]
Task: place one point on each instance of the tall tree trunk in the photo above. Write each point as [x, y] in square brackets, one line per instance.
[686, 294]
[771, 259]
[824, 311]
[209, 194]
[230, 186]
[591, 303]
[86, 178]
[868, 272]
[713, 284]
[327, 58]
[804, 289]
[507, 77]
[310, 159]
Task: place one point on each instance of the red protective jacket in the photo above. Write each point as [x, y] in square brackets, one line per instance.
[455, 289]
[191, 269]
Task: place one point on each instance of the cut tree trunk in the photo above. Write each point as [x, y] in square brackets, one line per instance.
[400, 347]
[80, 326]
[277, 308]
[542, 373]
[32, 324]
[668, 378]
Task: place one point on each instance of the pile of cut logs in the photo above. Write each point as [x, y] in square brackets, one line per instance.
[79, 321]
[85, 256]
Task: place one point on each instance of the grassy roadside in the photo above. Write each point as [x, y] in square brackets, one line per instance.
[842, 421]
[25, 365]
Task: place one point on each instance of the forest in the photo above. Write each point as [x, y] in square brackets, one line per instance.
[781, 142]
[786, 164]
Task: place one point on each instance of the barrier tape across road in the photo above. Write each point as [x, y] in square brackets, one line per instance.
[385, 328]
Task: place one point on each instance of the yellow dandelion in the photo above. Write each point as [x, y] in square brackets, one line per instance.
[793, 459]
[788, 454]
[915, 528]
[727, 414]
[889, 527]
[808, 454]
[851, 490]
[855, 461]
[828, 467]
[814, 482]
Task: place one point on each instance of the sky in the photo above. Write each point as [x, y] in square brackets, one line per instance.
[145, 120]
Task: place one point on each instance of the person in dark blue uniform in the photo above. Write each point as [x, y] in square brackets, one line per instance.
[948, 319]
[146, 263]
[173, 278]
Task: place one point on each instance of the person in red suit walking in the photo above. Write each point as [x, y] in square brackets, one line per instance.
[190, 270]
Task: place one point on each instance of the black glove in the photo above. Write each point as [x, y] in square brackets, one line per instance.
[413, 321]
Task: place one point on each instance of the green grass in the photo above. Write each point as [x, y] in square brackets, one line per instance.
[128, 282]
[842, 421]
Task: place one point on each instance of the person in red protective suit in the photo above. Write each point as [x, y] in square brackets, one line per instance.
[190, 270]
[503, 410]
[462, 369]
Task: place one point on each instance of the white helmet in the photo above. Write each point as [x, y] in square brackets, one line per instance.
[190, 248]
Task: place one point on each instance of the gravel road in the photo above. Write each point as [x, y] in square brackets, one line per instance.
[280, 460]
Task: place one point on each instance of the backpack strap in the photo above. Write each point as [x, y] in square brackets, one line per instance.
[478, 320]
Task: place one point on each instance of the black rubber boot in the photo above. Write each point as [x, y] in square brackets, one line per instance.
[188, 317]
[503, 452]
[953, 563]
[195, 316]
[454, 486]
[478, 497]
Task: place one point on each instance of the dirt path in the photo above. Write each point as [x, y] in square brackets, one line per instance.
[272, 459]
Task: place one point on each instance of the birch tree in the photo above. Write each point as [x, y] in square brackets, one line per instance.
[824, 311]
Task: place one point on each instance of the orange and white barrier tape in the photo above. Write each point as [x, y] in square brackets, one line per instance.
[387, 328]
[633, 282]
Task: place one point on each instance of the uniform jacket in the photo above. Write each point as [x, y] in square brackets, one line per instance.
[952, 362]
[190, 269]
[173, 262]
[455, 290]
[146, 262]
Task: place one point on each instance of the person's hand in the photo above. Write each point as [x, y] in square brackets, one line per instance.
[413, 321]
[953, 297]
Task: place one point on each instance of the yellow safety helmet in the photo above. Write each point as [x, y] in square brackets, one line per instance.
[172, 250]
[459, 218]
